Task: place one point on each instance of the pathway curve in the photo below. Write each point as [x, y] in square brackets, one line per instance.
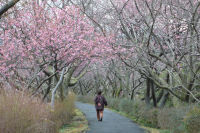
[112, 122]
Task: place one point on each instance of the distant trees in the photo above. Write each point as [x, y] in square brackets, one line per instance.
[161, 39]
[166, 40]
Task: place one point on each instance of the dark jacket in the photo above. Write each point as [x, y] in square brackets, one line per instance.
[104, 102]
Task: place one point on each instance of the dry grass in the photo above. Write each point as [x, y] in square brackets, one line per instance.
[151, 130]
[64, 111]
[19, 113]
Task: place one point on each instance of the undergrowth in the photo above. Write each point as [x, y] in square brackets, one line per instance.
[21, 113]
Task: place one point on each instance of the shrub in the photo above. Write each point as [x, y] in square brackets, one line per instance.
[138, 107]
[113, 103]
[192, 120]
[148, 116]
[126, 106]
[153, 117]
[85, 99]
[172, 118]
[164, 118]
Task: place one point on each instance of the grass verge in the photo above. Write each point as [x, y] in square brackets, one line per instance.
[78, 124]
[141, 124]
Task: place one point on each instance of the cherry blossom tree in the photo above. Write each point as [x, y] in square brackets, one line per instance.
[42, 40]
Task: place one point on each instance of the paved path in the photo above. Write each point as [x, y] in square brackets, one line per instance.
[112, 122]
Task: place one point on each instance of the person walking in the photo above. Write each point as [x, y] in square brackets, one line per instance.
[100, 101]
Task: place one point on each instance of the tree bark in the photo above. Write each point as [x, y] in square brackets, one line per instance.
[160, 96]
[153, 93]
[61, 92]
[81, 89]
[164, 99]
[48, 89]
[132, 94]
[56, 87]
[7, 6]
[147, 96]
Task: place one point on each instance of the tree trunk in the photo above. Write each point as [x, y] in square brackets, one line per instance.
[187, 97]
[132, 94]
[133, 85]
[7, 6]
[118, 93]
[153, 93]
[148, 88]
[48, 89]
[68, 78]
[113, 93]
[81, 89]
[61, 92]
[164, 99]
[166, 93]
[56, 87]
[160, 96]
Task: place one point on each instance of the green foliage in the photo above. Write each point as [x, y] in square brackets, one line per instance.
[192, 120]
[163, 74]
[172, 118]
[125, 105]
[86, 99]
[138, 106]
[150, 116]
[113, 103]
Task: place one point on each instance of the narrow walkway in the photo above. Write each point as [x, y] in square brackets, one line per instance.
[112, 122]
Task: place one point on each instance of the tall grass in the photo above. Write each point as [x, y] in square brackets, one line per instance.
[19, 113]
[64, 111]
